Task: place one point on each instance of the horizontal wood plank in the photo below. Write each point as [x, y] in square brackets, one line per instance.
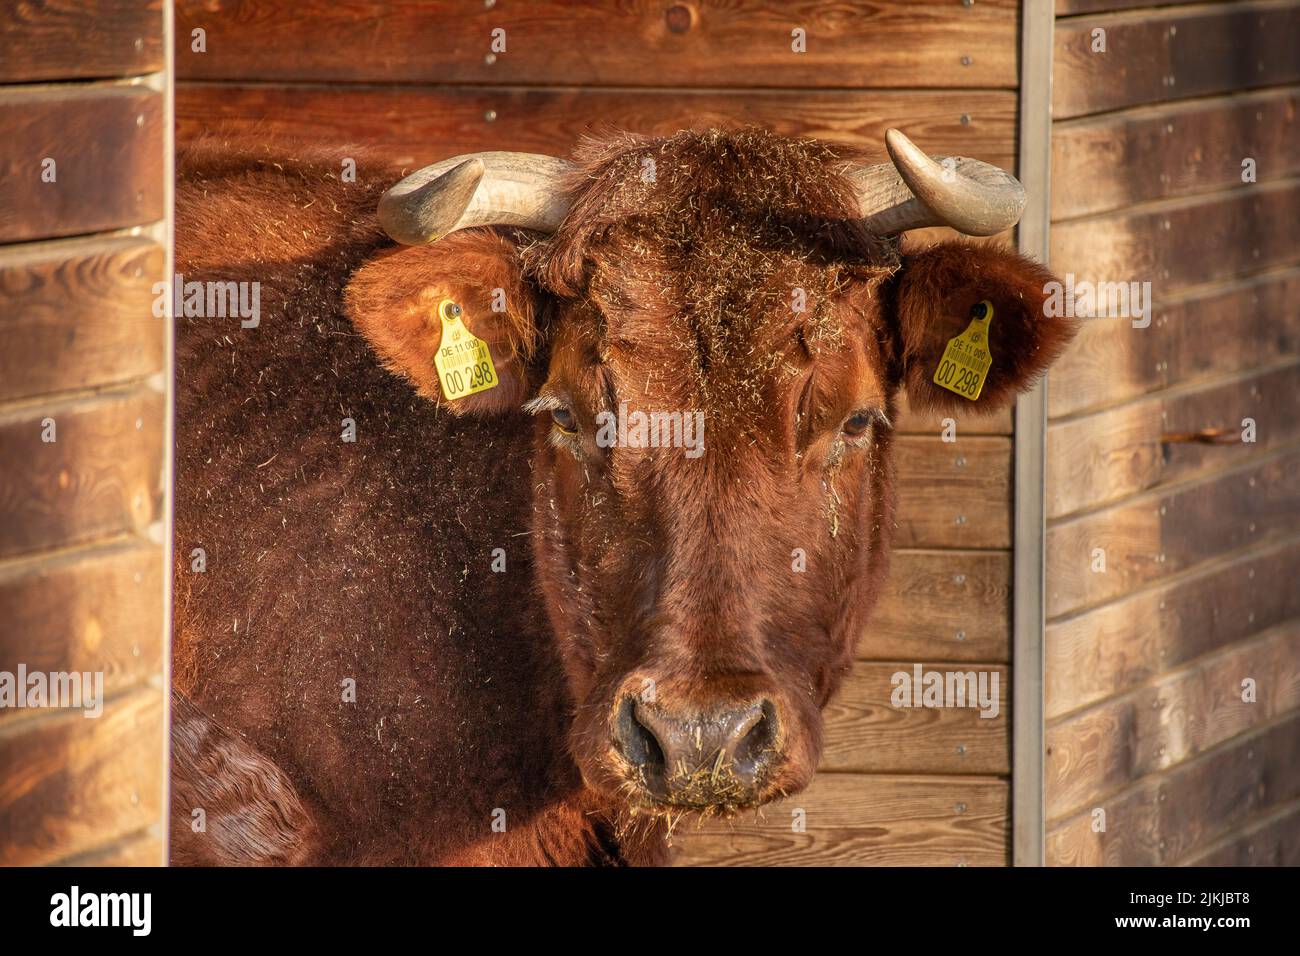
[866, 733]
[144, 848]
[954, 495]
[417, 126]
[955, 424]
[96, 611]
[1184, 242]
[75, 40]
[1172, 815]
[926, 43]
[1273, 840]
[1106, 456]
[1107, 162]
[78, 313]
[1107, 747]
[1068, 7]
[1157, 55]
[101, 477]
[862, 820]
[1111, 361]
[1161, 533]
[1116, 647]
[942, 605]
[106, 146]
[69, 785]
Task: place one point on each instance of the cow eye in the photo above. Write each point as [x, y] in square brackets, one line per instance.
[856, 425]
[564, 420]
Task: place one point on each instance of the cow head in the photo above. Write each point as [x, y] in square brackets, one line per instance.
[711, 330]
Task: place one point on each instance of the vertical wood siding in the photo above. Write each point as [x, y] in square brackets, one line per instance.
[82, 518]
[1146, 660]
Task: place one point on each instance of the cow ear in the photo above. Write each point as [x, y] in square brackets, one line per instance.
[394, 301]
[938, 292]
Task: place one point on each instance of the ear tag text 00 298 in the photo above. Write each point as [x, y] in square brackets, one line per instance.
[464, 362]
[967, 359]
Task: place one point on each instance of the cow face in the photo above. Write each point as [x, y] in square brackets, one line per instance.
[712, 355]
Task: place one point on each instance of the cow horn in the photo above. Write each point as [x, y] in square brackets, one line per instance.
[917, 191]
[477, 189]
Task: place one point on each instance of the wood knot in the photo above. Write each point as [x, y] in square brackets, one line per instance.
[1203, 436]
[679, 17]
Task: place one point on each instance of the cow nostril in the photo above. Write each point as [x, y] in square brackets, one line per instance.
[701, 757]
[639, 745]
[756, 743]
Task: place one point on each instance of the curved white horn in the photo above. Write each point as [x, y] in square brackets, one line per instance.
[917, 190]
[477, 189]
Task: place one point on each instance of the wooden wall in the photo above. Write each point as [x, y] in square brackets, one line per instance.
[82, 583]
[897, 786]
[1145, 660]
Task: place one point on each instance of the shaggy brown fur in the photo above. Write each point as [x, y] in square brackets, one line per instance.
[367, 561]
[480, 691]
[251, 813]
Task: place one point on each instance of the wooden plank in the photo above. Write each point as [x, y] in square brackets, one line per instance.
[1110, 361]
[1157, 55]
[857, 820]
[106, 144]
[137, 849]
[76, 40]
[1067, 7]
[942, 605]
[1172, 815]
[1106, 456]
[1114, 648]
[1273, 840]
[101, 477]
[78, 313]
[98, 611]
[929, 43]
[866, 733]
[423, 125]
[953, 495]
[1107, 747]
[68, 784]
[1107, 162]
[1184, 242]
[1158, 534]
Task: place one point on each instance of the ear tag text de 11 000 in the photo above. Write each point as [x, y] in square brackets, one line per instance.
[967, 359]
[464, 362]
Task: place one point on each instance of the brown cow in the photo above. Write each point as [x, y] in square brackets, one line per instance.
[517, 625]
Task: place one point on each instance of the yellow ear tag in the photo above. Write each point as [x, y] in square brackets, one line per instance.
[464, 362]
[967, 359]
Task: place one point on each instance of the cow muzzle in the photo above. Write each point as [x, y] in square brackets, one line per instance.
[713, 758]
